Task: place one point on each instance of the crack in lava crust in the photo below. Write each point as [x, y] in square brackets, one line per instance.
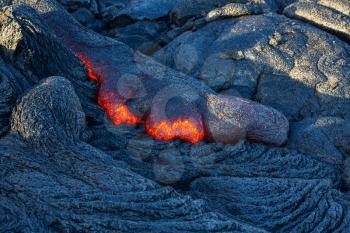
[190, 130]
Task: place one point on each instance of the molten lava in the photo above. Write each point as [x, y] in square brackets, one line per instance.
[190, 130]
[89, 68]
[184, 129]
[117, 110]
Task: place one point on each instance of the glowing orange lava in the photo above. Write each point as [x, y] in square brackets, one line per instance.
[190, 130]
[186, 129]
[117, 111]
[89, 68]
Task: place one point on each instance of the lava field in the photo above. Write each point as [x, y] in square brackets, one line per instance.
[175, 116]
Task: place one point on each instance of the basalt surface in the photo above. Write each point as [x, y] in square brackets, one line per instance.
[79, 150]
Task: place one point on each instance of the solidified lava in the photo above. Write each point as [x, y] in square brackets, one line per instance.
[187, 129]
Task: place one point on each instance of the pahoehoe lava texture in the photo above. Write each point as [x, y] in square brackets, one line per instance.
[79, 187]
[69, 164]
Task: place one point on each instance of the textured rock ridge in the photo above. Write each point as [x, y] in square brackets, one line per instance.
[67, 185]
[263, 202]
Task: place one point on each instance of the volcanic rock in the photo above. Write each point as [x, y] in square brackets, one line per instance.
[67, 185]
[32, 48]
[75, 4]
[277, 205]
[12, 84]
[238, 9]
[84, 16]
[144, 36]
[66, 165]
[279, 62]
[135, 89]
[138, 10]
[326, 138]
[327, 14]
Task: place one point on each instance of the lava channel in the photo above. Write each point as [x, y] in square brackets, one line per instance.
[190, 130]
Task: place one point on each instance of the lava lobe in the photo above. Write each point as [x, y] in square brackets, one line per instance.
[157, 125]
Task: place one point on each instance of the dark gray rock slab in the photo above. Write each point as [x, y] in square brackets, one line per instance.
[187, 9]
[278, 205]
[137, 10]
[326, 138]
[12, 84]
[333, 16]
[111, 3]
[155, 160]
[148, 9]
[31, 47]
[84, 16]
[241, 8]
[73, 5]
[144, 36]
[342, 6]
[290, 65]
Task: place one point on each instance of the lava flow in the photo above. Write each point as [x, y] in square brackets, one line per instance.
[117, 110]
[185, 129]
[89, 68]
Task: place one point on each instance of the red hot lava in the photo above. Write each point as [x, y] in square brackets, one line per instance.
[89, 68]
[117, 110]
[190, 130]
[185, 129]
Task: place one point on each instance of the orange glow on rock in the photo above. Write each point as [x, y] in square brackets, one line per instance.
[117, 110]
[189, 130]
[185, 129]
[89, 68]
